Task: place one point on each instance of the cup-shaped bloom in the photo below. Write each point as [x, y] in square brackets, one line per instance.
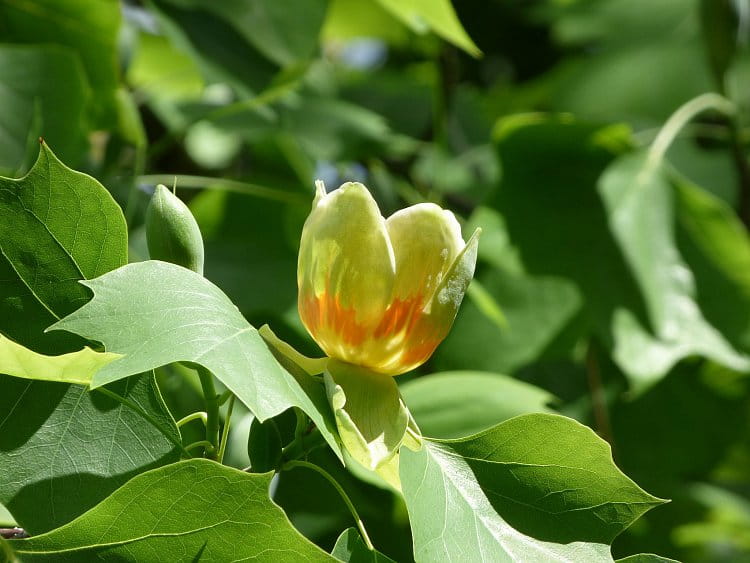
[377, 293]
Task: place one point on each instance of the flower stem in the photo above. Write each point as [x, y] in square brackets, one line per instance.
[225, 430]
[298, 463]
[212, 412]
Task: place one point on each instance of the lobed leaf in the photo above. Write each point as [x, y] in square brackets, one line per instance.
[172, 315]
[537, 487]
[192, 510]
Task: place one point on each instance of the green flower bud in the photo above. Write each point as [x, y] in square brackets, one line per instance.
[172, 232]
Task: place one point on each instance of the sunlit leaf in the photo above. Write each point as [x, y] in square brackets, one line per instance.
[64, 448]
[173, 315]
[639, 201]
[74, 367]
[537, 487]
[432, 15]
[190, 510]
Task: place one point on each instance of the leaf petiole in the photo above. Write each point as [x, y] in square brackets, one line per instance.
[200, 443]
[349, 504]
[202, 416]
[225, 431]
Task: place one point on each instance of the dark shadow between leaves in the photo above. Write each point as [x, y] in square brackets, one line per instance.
[49, 503]
[33, 400]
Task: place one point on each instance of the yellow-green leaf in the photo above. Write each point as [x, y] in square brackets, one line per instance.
[432, 15]
[75, 367]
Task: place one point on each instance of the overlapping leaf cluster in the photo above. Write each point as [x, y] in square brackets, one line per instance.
[613, 284]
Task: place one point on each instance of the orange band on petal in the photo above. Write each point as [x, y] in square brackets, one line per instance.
[401, 315]
[325, 313]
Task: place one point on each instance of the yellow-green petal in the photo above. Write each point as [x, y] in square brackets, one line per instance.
[450, 292]
[345, 271]
[426, 240]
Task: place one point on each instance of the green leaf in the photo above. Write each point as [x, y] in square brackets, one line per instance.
[6, 518]
[536, 310]
[233, 225]
[353, 19]
[719, 22]
[334, 129]
[43, 93]
[435, 15]
[160, 71]
[173, 315]
[350, 548]
[75, 367]
[646, 558]
[6, 553]
[639, 201]
[284, 32]
[90, 30]
[60, 226]
[460, 403]
[63, 448]
[602, 87]
[553, 213]
[716, 245]
[214, 41]
[264, 445]
[684, 406]
[537, 487]
[191, 510]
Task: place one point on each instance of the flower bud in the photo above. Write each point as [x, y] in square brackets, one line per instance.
[172, 233]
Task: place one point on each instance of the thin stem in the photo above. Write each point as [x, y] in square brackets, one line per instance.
[202, 416]
[167, 434]
[205, 444]
[682, 117]
[212, 411]
[225, 431]
[340, 490]
[204, 182]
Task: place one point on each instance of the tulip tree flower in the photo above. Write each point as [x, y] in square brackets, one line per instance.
[380, 293]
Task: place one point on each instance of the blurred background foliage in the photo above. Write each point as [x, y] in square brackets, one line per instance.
[612, 295]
